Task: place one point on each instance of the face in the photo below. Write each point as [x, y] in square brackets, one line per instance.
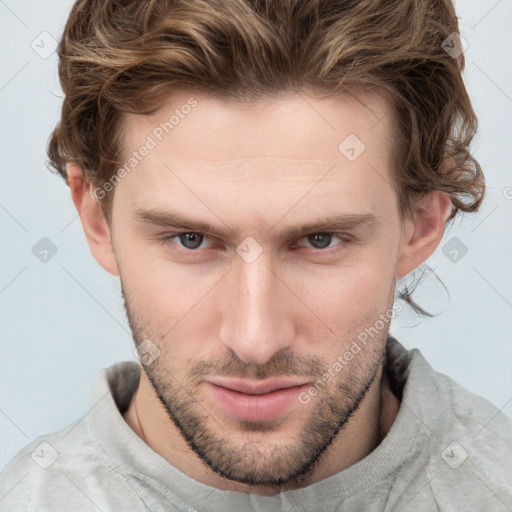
[253, 250]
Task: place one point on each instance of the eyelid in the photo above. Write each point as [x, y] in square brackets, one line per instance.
[344, 239]
[167, 238]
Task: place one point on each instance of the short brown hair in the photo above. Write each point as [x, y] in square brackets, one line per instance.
[125, 56]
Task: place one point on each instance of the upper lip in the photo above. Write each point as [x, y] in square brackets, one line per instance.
[255, 388]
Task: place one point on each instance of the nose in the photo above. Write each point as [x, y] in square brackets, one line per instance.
[257, 321]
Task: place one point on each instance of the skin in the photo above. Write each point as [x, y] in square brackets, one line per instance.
[292, 311]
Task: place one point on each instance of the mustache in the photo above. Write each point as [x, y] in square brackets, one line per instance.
[279, 365]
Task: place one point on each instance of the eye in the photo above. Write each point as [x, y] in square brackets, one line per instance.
[323, 240]
[190, 241]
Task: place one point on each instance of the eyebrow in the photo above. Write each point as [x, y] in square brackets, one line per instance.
[334, 222]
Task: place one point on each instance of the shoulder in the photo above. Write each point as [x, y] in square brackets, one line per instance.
[68, 469]
[57, 472]
[467, 444]
[476, 442]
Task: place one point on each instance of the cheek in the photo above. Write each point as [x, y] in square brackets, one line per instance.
[152, 288]
[172, 300]
[363, 279]
[347, 301]
[350, 297]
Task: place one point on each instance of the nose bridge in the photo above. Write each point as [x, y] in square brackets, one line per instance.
[254, 324]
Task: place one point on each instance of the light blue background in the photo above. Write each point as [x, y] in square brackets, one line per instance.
[63, 321]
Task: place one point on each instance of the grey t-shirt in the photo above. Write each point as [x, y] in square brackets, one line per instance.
[448, 450]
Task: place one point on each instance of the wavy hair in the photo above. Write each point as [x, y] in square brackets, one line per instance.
[125, 56]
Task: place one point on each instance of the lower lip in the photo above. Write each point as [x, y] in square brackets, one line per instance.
[246, 407]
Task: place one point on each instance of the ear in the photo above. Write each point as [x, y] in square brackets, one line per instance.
[93, 220]
[423, 233]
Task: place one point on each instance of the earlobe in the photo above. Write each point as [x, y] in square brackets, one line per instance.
[95, 226]
[424, 232]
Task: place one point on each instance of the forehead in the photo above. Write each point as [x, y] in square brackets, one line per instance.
[266, 147]
[297, 126]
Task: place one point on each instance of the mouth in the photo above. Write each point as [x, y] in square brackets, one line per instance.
[255, 401]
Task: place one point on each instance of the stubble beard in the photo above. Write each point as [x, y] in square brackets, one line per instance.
[234, 455]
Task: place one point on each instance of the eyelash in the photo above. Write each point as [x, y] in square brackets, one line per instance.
[344, 241]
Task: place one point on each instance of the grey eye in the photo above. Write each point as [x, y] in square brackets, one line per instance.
[320, 240]
[191, 240]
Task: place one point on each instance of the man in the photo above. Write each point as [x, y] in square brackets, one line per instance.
[260, 175]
